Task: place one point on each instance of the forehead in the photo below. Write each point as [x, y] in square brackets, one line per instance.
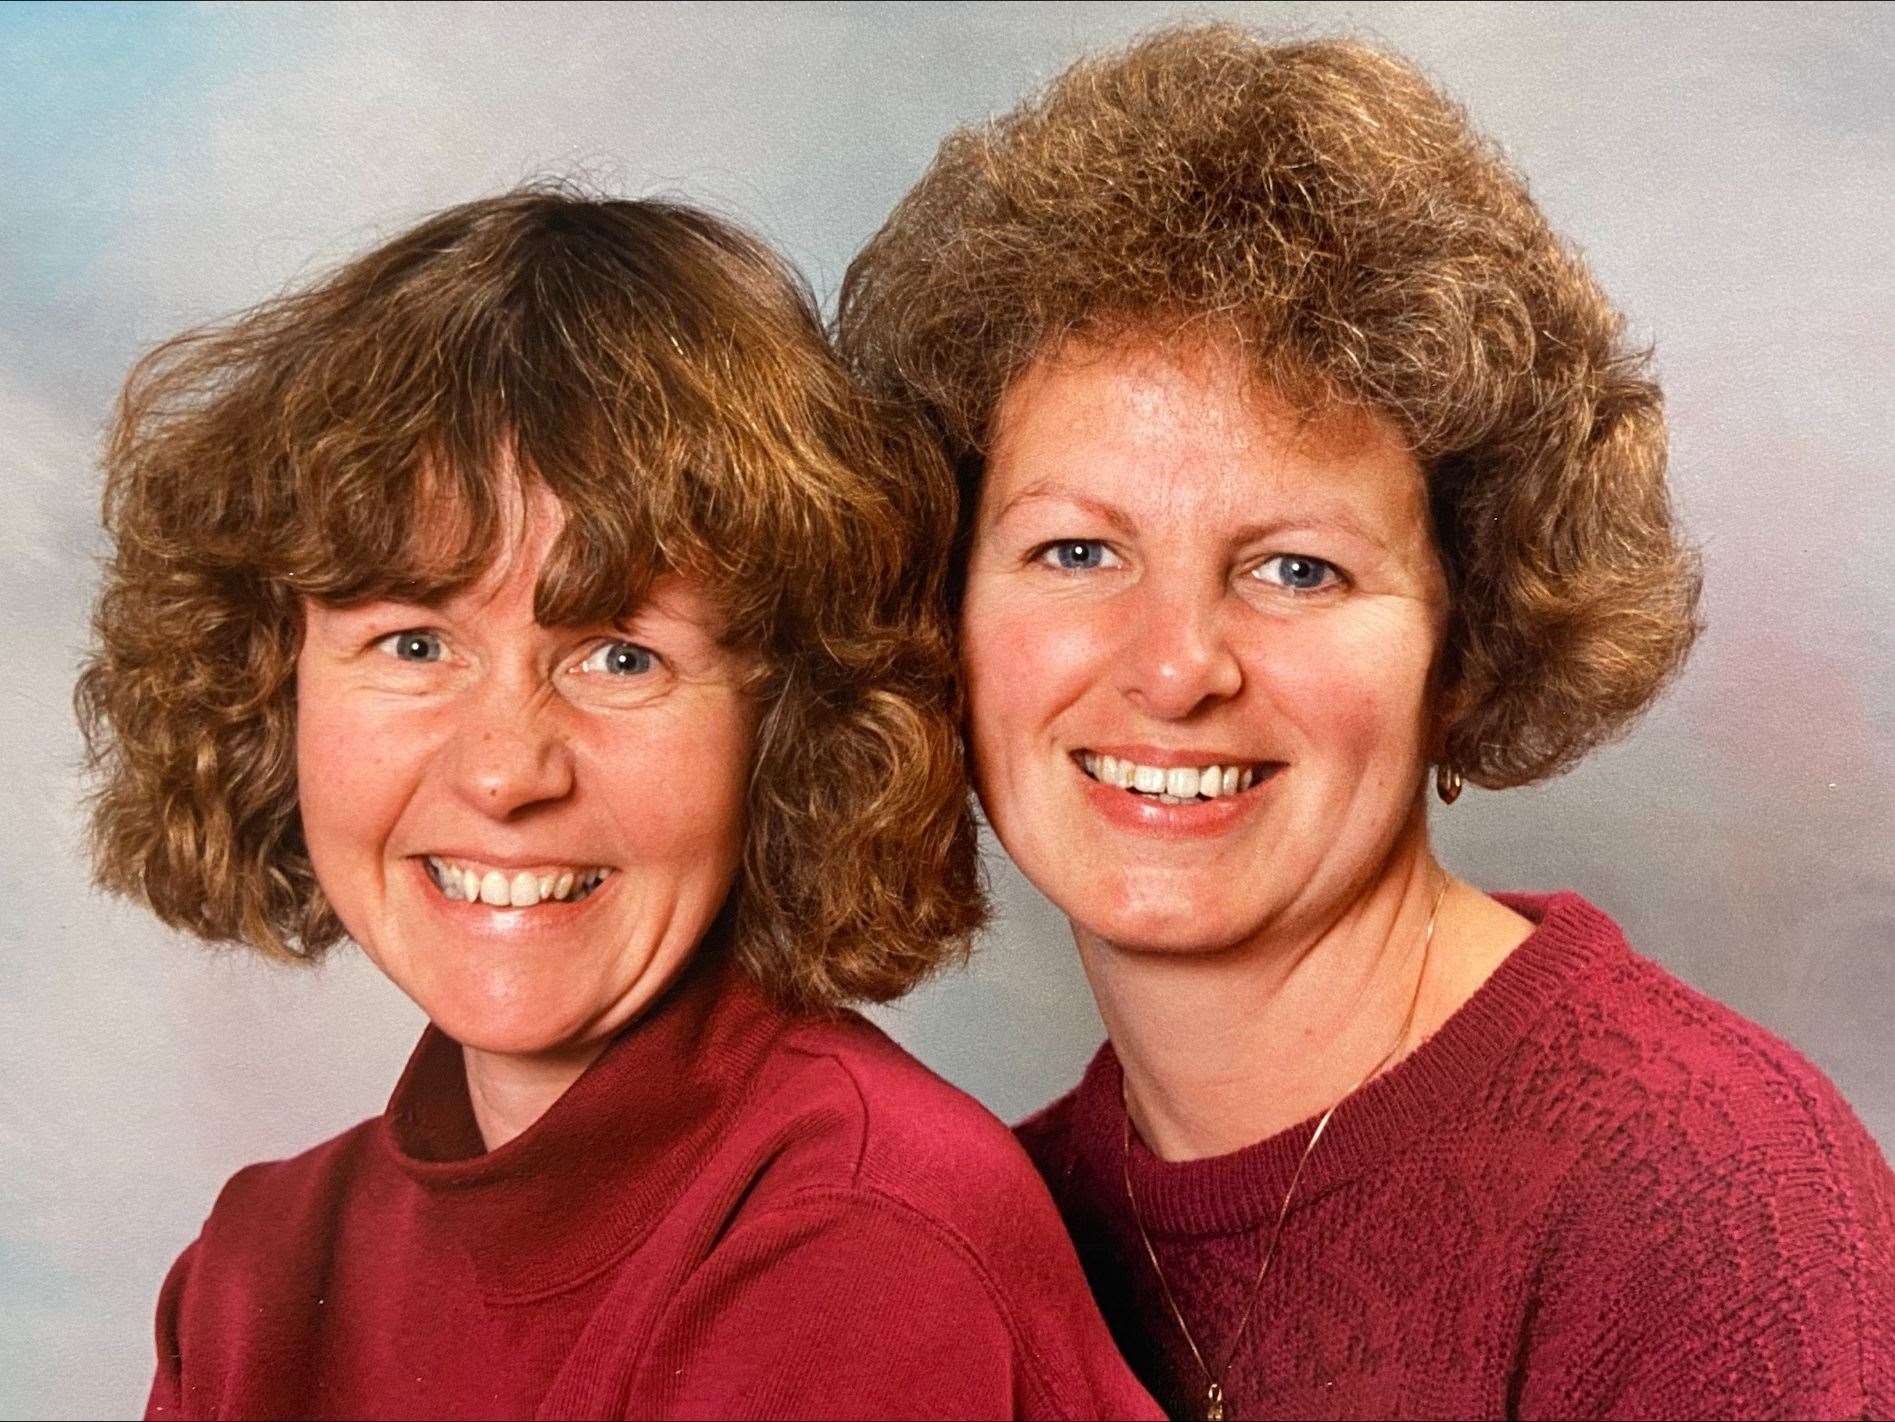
[1160, 428]
[507, 552]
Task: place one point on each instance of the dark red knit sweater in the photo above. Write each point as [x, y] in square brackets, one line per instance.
[733, 1213]
[1592, 1193]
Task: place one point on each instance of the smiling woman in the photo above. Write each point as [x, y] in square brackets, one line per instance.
[1184, 482]
[1302, 464]
[426, 799]
[537, 603]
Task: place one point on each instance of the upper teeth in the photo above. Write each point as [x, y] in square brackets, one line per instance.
[519, 889]
[1178, 782]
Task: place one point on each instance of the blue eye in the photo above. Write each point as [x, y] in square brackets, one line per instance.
[1078, 555]
[620, 659]
[1297, 572]
[415, 645]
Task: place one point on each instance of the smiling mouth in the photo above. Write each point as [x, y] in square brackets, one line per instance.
[467, 881]
[1173, 785]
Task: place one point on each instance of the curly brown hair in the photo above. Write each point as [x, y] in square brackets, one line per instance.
[667, 380]
[1321, 205]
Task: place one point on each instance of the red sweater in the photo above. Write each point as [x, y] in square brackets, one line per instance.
[1592, 1193]
[733, 1213]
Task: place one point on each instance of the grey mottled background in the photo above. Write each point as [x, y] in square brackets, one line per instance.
[1729, 169]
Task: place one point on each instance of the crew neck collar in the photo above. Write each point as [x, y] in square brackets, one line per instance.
[1240, 1191]
[590, 1178]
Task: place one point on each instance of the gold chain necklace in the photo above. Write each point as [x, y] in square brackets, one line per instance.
[1214, 1389]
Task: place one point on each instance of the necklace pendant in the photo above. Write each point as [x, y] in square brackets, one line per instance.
[1214, 1404]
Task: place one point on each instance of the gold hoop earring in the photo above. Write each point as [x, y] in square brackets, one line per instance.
[1448, 782]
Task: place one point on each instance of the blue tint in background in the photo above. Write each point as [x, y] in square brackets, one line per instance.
[1728, 170]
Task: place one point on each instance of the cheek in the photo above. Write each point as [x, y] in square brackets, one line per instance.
[348, 774]
[679, 790]
[1355, 686]
[1025, 662]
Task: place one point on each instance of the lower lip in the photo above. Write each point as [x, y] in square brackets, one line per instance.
[547, 914]
[1194, 819]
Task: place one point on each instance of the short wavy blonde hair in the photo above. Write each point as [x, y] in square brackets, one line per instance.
[667, 379]
[1324, 207]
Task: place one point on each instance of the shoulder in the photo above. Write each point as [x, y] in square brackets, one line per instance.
[1663, 1068]
[1716, 1186]
[902, 1204]
[858, 1126]
[901, 1132]
[271, 1230]
[293, 1185]
[1688, 1112]
[856, 1302]
[280, 1210]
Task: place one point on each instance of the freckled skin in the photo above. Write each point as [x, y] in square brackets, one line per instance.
[519, 743]
[1196, 488]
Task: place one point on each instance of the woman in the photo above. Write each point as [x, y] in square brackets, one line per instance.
[532, 602]
[1302, 464]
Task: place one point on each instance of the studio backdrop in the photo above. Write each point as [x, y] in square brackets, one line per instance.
[1728, 170]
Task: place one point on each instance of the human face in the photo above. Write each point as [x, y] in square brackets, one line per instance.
[465, 746]
[1170, 569]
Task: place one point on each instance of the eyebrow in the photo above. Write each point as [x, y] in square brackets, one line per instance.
[1047, 492]
[1333, 514]
[1330, 516]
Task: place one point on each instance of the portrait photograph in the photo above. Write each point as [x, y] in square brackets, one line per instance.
[947, 710]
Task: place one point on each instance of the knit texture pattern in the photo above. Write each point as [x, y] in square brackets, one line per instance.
[1593, 1193]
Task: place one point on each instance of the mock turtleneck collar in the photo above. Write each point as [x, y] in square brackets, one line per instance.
[1242, 1190]
[592, 1176]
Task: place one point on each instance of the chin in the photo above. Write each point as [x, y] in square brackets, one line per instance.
[1171, 928]
[509, 1039]
[504, 1024]
[1176, 940]
[1164, 913]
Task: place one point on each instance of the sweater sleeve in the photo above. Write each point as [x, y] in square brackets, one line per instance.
[1762, 1286]
[166, 1398]
[838, 1304]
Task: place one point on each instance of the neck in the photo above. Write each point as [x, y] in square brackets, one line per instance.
[510, 1092]
[1225, 1048]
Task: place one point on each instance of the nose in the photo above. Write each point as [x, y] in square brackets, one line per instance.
[509, 755]
[1176, 657]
